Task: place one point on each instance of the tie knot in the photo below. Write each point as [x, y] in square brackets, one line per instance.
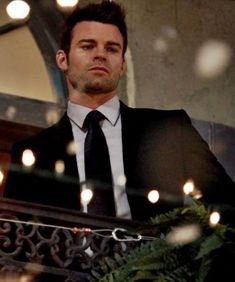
[93, 117]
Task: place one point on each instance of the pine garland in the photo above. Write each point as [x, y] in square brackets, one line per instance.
[163, 261]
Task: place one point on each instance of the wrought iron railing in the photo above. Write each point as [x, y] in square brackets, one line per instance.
[41, 243]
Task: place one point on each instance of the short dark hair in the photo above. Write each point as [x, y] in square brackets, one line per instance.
[105, 12]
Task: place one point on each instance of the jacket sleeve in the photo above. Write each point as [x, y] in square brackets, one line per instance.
[203, 168]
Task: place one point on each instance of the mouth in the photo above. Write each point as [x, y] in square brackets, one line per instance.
[99, 69]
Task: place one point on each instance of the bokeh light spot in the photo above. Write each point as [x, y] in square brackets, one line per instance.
[188, 187]
[72, 148]
[153, 196]
[52, 116]
[18, 9]
[214, 218]
[184, 234]
[121, 180]
[11, 112]
[160, 45]
[1, 177]
[212, 59]
[28, 158]
[86, 196]
[59, 166]
[67, 3]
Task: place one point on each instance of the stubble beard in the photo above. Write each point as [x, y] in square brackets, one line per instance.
[97, 86]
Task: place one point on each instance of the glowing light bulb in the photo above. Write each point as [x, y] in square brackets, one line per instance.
[71, 148]
[25, 278]
[214, 218]
[28, 158]
[67, 3]
[188, 187]
[86, 195]
[153, 196]
[1, 177]
[59, 166]
[121, 180]
[18, 9]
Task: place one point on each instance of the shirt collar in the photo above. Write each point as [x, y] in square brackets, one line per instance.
[110, 109]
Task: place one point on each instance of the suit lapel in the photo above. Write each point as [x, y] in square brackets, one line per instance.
[130, 141]
[65, 137]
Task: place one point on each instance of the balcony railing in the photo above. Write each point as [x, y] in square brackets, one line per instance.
[44, 243]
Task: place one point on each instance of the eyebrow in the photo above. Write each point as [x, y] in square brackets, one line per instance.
[112, 43]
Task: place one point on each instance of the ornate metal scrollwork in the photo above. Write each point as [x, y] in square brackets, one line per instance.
[33, 248]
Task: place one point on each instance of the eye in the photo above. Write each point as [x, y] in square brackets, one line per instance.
[87, 47]
[112, 49]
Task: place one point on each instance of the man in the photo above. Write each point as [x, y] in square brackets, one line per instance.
[153, 149]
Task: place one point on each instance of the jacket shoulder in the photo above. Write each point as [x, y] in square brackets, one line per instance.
[157, 114]
[46, 137]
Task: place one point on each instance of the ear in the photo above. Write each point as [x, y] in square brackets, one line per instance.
[123, 67]
[61, 60]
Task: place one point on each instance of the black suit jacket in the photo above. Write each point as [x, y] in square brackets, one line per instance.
[161, 150]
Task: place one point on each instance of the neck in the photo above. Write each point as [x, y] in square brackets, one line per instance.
[90, 100]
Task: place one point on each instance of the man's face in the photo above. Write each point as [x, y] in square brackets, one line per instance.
[95, 61]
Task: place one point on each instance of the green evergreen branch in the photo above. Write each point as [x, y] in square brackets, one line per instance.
[160, 260]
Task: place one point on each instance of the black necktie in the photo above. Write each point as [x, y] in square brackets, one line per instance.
[97, 167]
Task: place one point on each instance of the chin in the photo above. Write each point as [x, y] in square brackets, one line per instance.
[99, 89]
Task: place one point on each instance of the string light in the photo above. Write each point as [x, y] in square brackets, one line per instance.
[86, 196]
[153, 196]
[214, 218]
[188, 187]
[121, 180]
[59, 166]
[18, 9]
[28, 158]
[1, 177]
[24, 278]
[118, 233]
[71, 148]
[66, 5]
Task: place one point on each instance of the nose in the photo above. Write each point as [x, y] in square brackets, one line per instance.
[100, 54]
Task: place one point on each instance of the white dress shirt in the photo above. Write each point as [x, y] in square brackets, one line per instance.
[112, 129]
